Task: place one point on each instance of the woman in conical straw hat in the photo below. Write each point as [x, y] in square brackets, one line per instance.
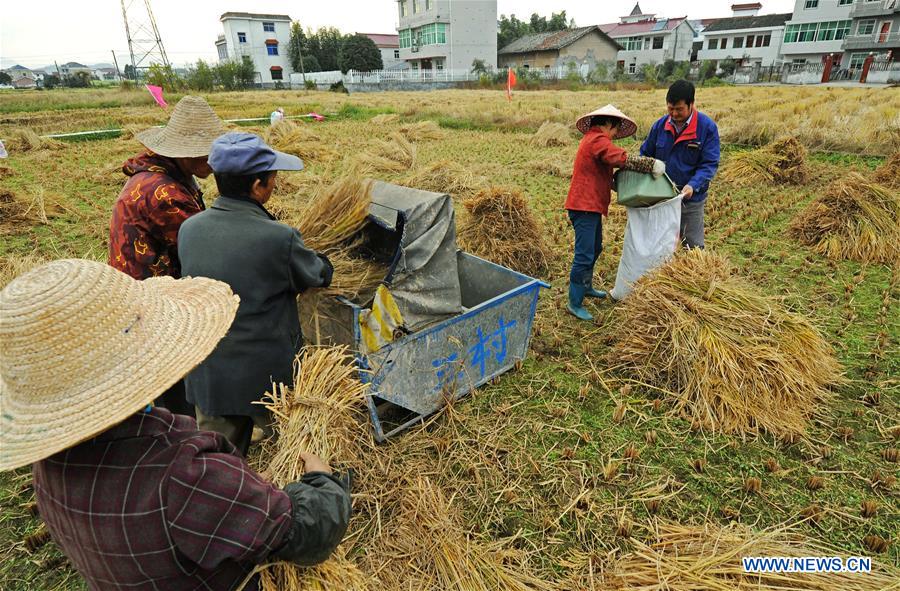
[136, 496]
[158, 197]
[589, 194]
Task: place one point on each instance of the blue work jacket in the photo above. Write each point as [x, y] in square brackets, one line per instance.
[692, 157]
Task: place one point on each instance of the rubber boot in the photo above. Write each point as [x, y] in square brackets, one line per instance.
[595, 293]
[576, 299]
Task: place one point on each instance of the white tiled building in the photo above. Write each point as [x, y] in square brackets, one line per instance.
[440, 35]
[747, 38]
[816, 28]
[264, 38]
[875, 30]
[650, 40]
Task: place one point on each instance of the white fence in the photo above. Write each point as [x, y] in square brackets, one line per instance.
[428, 76]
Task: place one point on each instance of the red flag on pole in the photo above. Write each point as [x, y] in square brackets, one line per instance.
[510, 82]
[157, 93]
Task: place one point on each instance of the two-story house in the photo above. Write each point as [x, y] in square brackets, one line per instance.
[70, 69]
[649, 40]
[580, 49]
[438, 35]
[816, 29]
[747, 37]
[264, 38]
[875, 29]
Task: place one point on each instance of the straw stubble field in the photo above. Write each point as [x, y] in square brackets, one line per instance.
[573, 462]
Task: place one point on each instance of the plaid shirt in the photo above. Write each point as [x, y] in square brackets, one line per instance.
[154, 504]
[143, 231]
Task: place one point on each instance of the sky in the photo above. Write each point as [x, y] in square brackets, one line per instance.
[34, 33]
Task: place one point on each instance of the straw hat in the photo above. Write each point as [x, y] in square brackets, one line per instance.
[83, 346]
[189, 133]
[626, 128]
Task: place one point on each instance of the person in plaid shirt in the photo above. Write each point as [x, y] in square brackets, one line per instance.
[158, 197]
[136, 496]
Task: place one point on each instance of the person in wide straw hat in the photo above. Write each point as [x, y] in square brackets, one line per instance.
[136, 496]
[158, 197]
[589, 194]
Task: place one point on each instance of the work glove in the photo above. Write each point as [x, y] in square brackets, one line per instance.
[659, 168]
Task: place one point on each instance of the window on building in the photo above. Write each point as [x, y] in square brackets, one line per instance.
[844, 2]
[750, 39]
[222, 52]
[632, 68]
[856, 60]
[433, 34]
[439, 65]
[396, 54]
[723, 43]
[713, 44]
[269, 27]
[738, 42]
[633, 43]
[865, 27]
[427, 5]
[790, 33]
[827, 31]
[807, 32]
[811, 4]
[276, 73]
[405, 38]
[242, 37]
[402, 5]
[843, 29]
[271, 48]
[657, 43]
[766, 41]
[417, 6]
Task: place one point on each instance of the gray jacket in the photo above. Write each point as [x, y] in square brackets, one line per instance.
[265, 262]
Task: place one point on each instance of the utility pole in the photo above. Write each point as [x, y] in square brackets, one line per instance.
[144, 42]
[115, 61]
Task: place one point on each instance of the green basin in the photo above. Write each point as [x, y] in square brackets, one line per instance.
[639, 189]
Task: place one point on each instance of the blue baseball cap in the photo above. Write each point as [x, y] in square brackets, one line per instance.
[242, 154]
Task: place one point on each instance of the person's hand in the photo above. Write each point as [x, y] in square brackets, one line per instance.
[687, 192]
[659, 168]
[313, 463]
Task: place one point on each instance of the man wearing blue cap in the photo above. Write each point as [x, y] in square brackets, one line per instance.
[266, 263]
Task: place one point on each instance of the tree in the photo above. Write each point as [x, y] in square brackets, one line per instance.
[201, 77]
[510, 29]
[728, 66]
[325, 45]
[160, 75]
[297, 47]
[5, 78]
[707, 69]
[479, 67]
[358, 52]
[246, 74]
[129, 72]
[51, 81]
[311, 64]
[79, 80]
[235, 75]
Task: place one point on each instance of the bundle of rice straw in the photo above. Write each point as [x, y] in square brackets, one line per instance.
[385, 119]
[424, 130]
[689, 558]
[427, 548]
[322, 414]
[293, 138]
[551, 134]
[26, 140]
[500, 227]
[780, 162]
[445, 176]
[394, 155]
[727, 355]
[560, 168]
[888, 174]
[854, 219]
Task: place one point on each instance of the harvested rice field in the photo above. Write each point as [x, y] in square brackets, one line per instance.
[745, 401]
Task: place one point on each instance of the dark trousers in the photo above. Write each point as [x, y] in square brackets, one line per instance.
[588, 227]
[237, 429]
[692, 223]
[175, 401]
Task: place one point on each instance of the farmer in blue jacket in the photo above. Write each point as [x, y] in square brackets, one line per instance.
[688, 142]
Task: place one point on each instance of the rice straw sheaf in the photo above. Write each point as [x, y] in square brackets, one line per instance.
[708, 558]
[423, 130]
[888, 174]
[426, 547]
[322, 414]
[780, 162]
[445, 176]
[499, 226]
[336, 213]
[559, 168]
[551, 134]
[854, 219]
[293, 138]
[727, 355]
[25, 140]
[394, 155]
[385, 119]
